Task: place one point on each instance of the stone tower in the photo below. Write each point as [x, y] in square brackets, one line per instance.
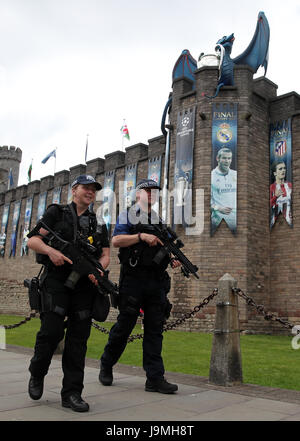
[254, 254]
[10, 158]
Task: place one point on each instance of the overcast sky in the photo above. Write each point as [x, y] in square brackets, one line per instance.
[69, 68]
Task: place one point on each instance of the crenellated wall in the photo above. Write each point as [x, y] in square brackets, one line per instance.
[10, 158]
[265, 264]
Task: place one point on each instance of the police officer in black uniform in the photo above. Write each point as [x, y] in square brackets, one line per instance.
[142, 285]
[60, 302]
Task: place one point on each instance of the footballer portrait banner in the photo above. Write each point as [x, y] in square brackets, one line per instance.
[183, 173]
[281, 171]
[27, 219]
[3, 234]
[56, 195]
[70, 194]
[108, 198]
[41, 205]
[224, 166]
[129, 185]
[154, 173]
[154, 169]
[14, 233]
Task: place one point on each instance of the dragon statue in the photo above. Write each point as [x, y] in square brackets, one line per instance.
[255, 55]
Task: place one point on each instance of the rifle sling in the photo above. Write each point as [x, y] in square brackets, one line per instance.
[74, 216]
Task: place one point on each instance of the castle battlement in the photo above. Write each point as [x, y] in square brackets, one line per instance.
[10, 153]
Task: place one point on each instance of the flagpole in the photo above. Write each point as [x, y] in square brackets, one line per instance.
[55, 161]
[86, 146]
[123, 136]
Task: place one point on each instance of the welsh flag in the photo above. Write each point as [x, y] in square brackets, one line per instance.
[29, 173]
[125, 132]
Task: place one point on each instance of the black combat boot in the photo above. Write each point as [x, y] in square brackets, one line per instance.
[36, 387]
[160, 385]
[75, 402]
[106, 375]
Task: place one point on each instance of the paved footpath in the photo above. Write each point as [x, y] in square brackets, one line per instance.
[196, 399]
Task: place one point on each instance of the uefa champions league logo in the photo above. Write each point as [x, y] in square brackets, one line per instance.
[185, 122]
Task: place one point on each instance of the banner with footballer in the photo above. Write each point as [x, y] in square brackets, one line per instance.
[154, 173]
[224, 166]
[281, 171]
[183, 173]
[108, 198]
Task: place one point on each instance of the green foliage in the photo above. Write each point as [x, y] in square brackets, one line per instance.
[266, 360]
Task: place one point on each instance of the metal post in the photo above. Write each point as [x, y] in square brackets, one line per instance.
[226, 363]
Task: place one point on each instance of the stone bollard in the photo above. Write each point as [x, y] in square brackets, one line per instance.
[225, 362]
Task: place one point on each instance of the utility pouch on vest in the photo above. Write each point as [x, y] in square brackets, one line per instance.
[35, 289]
[101, 307]
[33, 293]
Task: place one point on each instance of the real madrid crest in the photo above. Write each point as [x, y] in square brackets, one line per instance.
[224, 134]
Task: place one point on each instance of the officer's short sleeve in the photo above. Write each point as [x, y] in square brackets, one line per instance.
[122, 225]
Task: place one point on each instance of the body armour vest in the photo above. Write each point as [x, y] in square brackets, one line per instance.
[65, 228]
[140, 256]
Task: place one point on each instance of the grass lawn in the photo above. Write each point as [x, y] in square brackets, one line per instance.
[267, 360]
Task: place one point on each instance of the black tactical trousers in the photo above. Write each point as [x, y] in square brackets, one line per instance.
[76, 305]
[135, 293]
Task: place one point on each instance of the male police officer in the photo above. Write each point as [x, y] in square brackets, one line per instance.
[62, 301]
[142, 285]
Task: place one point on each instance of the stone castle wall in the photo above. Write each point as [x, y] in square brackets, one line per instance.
[265, 264]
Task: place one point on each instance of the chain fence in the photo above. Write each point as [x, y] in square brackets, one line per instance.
[176, 323]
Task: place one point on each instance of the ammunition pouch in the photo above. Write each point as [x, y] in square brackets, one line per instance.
[34, 294]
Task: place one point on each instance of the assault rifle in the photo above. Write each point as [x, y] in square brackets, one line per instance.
[171, 244]
[82, 253]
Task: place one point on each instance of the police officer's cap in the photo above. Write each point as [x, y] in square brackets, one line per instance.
[147, 183]
[86, 179]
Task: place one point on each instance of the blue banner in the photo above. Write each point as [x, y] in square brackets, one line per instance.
[27, 219]
[281, 171]
[183, 173]
[4, 229]
[41, 206]
[154, 173]
[14, 233]
[129, 185]
[224, 166]
[56, 195]
[108, 198]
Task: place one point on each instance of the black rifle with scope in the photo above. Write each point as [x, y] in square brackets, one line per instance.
[171, 244]
[82, 253]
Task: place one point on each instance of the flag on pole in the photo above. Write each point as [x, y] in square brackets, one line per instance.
[125, 131]
[10, 180]
[53, 153]
[86, 147]
[29, 172]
